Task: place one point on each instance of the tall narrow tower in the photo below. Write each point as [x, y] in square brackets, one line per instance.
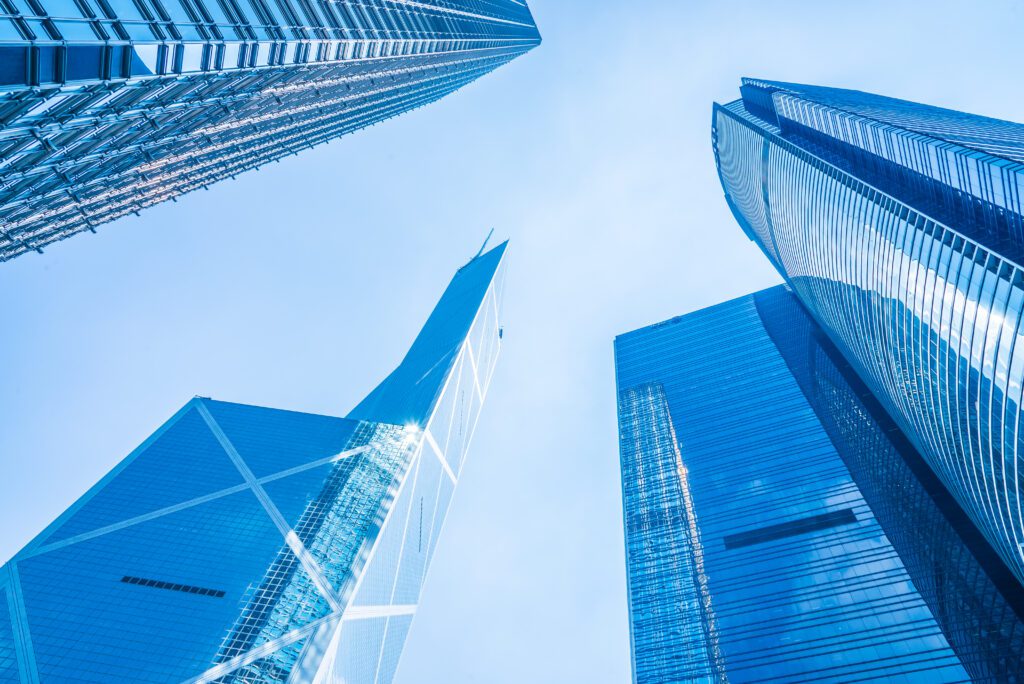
[110, 106]
[241, 544]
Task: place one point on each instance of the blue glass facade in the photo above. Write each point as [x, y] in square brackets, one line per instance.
[111, 106]
[898, 226]
[780, 527]
[248, 544]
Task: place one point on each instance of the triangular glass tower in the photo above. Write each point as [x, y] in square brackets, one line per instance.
[248, 544]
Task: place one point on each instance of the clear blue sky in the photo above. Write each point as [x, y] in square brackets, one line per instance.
[301, 285]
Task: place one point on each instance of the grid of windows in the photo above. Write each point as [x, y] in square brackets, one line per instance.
[928, 315]
[963, 170]
[110, 106]
[142, 21]
[993, 137]
[752, 554]
[672, 624]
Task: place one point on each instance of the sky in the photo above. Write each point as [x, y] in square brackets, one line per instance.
[301, 285]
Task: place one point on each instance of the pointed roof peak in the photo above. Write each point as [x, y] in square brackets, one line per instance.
[408, 394]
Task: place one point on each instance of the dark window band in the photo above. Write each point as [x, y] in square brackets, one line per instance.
[792, 528]
[186, 588]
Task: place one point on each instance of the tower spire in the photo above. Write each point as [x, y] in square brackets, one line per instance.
[484, 246]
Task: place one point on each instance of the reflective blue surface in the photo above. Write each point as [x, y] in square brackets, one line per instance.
[111, 106]
[8, 655]
[973, 595]
[162, 479]
[87, 624]
[963, 170]
[754, 553]
[897, 225]
[408, 394]
[248, 544]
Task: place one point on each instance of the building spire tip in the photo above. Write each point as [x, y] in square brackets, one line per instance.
[484, 246]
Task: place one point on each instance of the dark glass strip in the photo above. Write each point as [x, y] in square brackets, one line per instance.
[792, 528]
[185, 588]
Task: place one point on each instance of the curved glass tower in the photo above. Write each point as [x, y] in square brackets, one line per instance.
[244, 545]
[110, 106]
[899, 227]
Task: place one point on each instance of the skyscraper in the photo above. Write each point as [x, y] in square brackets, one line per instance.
[899, 226]
[241, 544]
[779, 525]
[110, 106]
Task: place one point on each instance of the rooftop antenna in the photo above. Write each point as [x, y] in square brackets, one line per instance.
[484, 246]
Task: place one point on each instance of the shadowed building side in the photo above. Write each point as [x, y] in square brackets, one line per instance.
[970, 591]
[780, 528]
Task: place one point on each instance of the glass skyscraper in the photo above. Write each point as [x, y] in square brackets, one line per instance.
[780, 527]
[110, 106]
[243, 545]
[900, 227]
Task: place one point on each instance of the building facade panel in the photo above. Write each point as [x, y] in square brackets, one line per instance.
[780, 527]
[752, 553]
[111, 106]
[971, 593]
[670, 603]
[927, 314]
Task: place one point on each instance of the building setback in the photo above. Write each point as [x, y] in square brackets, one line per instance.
[242, 544]
[111, 106]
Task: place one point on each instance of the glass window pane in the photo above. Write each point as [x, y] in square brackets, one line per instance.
[125, 9]
[75, 30]
[8, 30]
[62, 8]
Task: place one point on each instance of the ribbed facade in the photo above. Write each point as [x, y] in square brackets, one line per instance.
[248, 545]
[970, 592]
[779, 527]
[110, 106]
[897, 226]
